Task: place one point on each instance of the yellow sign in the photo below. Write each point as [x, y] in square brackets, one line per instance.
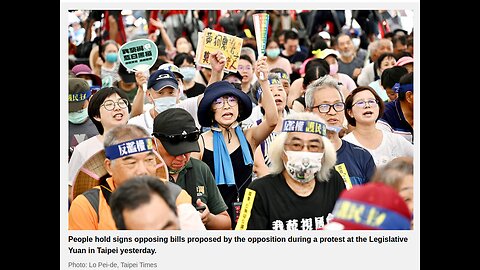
[210, 41]
[342, 170]
[246, 209]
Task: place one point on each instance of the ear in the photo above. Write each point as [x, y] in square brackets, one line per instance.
[350, 113]
[108, 165]
[409, 96]
[97, 118]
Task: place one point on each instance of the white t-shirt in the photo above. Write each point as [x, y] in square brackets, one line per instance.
[144, 120]
[83, 151]
[191, 105]
[392, 146]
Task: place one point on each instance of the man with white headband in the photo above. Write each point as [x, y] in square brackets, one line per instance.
[303, 186]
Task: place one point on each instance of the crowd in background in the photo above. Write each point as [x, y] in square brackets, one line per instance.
[322, 141]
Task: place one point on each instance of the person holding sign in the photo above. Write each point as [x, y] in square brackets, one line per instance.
[163, 93]
[226, 148]
[303, 186]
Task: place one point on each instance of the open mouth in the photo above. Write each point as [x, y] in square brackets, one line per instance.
[332, 121]
[118, 116]
[368, 113]
[227, 115]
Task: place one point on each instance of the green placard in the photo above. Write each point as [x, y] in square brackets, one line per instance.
[138, 55]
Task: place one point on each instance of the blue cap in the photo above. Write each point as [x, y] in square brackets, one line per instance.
[161, 79]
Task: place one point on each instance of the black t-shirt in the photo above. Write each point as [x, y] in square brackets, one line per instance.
[277, 207]
[196, 90]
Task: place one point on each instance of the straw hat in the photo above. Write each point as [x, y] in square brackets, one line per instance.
[92, 170]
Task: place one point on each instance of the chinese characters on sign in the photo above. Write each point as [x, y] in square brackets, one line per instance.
[210, 41]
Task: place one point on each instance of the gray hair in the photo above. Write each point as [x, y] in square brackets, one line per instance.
[373, 46]
[124, 133]
[394, 171]
[277, 148]
[326, 81]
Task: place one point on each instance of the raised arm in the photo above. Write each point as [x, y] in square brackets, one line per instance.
[257, 134]
[217, 60]
[138, 100]
[168, 43]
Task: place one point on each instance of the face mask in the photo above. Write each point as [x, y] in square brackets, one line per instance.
[78, 117]
[302, 166]
[188, 73]
[111, 57]
[164, 103]
[356, 42]
[273, 53]
[90, 83]
[334, 69]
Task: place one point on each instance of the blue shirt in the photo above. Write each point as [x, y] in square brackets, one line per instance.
[394, 121]
[358, 162]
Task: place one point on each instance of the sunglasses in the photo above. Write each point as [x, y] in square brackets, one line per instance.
[177, 138]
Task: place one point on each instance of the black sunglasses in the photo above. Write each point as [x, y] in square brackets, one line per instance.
[177, 138]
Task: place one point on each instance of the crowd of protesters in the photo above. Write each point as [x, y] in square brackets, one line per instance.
[296, 139]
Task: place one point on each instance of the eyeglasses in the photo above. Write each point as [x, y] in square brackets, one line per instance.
[109, 105]
[372, 103]
[220, 102]
[325, 108]
[177, 138]
[299, 146]
[241, 68]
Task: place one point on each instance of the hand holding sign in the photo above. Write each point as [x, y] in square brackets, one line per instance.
[260, 23]
[261, 67]
[138, 55]
[210, 41]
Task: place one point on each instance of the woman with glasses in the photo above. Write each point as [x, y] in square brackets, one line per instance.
[107, 108]
[363, 108]
[226, 148]
[246, 69]
[303, 186]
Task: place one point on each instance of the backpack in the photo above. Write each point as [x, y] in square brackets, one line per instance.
[92, 195]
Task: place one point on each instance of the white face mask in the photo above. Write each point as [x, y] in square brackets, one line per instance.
[164, 103]
[302, 166]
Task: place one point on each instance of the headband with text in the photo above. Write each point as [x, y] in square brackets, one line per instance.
[128, 148]
[307, 126]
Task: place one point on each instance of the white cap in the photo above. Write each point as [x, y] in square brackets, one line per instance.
[325, 35]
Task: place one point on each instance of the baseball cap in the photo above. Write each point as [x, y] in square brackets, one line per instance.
[127, 76]
[234, 74]
[172, 68]
[323, 54]
[404, 60]
[82, 69]
[78, 93]
[325, 35]
[176, 129]
[373, 206]
[161, 79]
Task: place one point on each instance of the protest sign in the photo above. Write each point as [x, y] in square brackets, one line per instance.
[260, 23]
[138, 55]
[210, 41]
